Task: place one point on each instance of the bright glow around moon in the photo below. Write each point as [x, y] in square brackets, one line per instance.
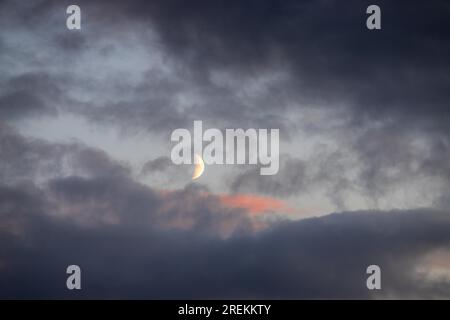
[199, 167]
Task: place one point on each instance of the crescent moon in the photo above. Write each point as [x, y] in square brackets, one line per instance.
[199, 167]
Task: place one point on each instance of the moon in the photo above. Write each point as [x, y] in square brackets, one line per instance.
[199, 167]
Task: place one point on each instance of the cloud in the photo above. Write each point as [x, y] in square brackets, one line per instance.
[336, 62]
[27, 158]
[158, 164]
[292, 179]
[223, 60]
[254, 204]
[313, 258]
[32, 94]
[378, 165]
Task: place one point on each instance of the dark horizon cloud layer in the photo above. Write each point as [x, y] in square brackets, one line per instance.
[363, 117]
[314, 258]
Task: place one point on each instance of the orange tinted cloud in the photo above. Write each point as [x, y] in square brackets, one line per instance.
[253, 203]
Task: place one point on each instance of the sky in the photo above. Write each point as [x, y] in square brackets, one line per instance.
[86, 176]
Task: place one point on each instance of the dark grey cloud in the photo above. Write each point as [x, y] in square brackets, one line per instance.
[399, 71]
[29, 159]
[23, 158]
[29, 94]
[124, 202]
[331, 59]
[314, 258]
[158, 164]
